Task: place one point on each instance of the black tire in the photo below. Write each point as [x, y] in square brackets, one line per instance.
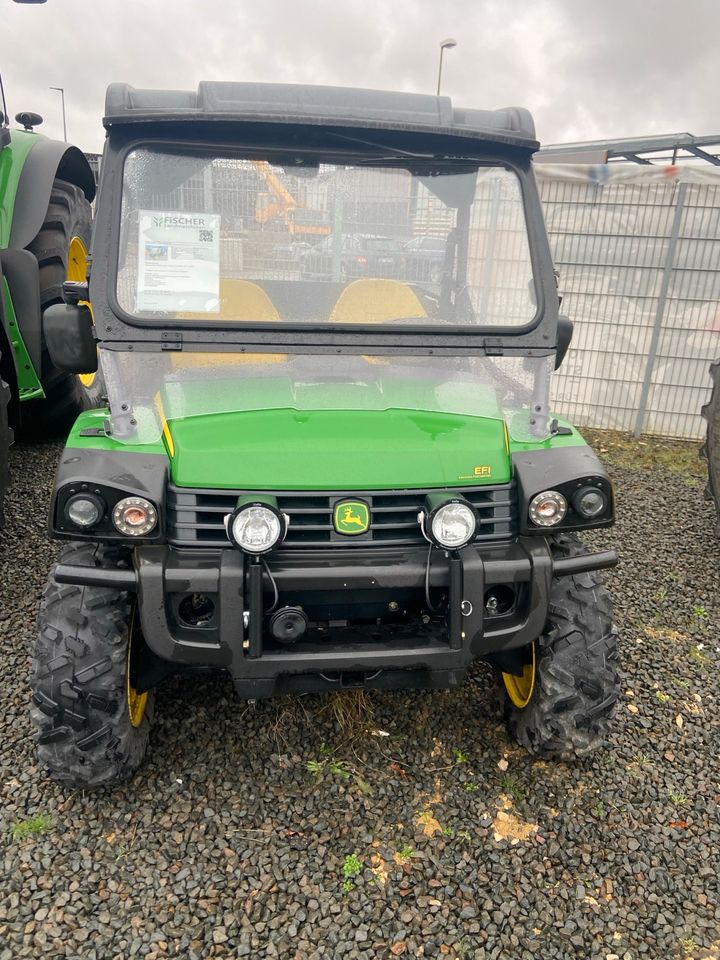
[576, 685]
[68, 215]
[711, 448]
[79, 678]
[6, 437]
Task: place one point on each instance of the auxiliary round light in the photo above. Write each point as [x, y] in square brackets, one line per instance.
[589, 502]
[134, 516]
[548, 508]
[84, 510]
[256, 528]
[453, 525]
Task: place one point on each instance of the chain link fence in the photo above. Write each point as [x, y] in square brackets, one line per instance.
[637, 249]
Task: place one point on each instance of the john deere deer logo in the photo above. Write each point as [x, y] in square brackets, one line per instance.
[351, 517]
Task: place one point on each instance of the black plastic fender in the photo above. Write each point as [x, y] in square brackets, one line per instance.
[48, 160]
[565, 469]
[20, 269]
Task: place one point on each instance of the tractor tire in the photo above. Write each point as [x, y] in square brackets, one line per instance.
[80, 680]
[68, 216]
[711, 448]
[6, 438]
[575, 689]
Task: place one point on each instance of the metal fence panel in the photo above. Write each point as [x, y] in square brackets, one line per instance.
[638, 252]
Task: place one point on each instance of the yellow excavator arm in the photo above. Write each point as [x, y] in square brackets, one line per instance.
[275, 184]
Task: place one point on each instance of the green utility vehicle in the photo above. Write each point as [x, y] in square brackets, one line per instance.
[318, 483]
[46, 188]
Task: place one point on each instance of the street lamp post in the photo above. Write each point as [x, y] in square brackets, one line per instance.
[61, 91]
[444, 45]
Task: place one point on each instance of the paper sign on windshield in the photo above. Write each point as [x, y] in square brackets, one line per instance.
[178, 261]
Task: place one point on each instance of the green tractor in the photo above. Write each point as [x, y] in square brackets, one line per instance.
[47, 188]
[345, 480]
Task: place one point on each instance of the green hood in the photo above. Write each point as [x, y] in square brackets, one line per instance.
[274, 434]
[337, 450]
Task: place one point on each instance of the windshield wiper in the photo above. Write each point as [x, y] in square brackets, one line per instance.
[393, 151]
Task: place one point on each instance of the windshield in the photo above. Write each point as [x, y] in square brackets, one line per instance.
[145, 389]
[250, 240]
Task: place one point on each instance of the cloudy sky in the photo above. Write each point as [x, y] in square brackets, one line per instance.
[586, 69]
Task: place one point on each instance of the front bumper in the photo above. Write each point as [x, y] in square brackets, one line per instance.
[408, 654]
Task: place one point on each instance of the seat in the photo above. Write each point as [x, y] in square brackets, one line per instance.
[376, 301]
[240, 300]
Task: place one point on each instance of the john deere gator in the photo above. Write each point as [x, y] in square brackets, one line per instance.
[352, 481]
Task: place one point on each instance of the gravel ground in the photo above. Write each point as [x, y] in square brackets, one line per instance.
[241, 833]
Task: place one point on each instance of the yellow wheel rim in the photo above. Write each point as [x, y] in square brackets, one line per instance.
[77, 272]
[136, 702]
[520, 689]
[77, 260]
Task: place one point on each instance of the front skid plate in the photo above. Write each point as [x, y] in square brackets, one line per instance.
[417, 656]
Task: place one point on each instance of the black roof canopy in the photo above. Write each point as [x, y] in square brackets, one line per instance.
[277, 103]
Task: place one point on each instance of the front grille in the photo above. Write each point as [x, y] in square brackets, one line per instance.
[195, 517]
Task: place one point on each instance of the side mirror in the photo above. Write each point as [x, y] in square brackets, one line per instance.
[68, 330]
[564, 336]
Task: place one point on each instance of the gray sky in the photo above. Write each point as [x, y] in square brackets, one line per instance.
[586, 69]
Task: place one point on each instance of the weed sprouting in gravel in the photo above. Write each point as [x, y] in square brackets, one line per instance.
[406, 853]
[352, 868]
[338, 769]
[511, 786]
[599, 810]
[679, 799]
[643, 760]
[697, 654]
[461, 757]
[472, 787]
[31, 828]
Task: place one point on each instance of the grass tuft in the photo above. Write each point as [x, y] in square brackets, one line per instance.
[32, 827]
[511, 786]
[353, 711]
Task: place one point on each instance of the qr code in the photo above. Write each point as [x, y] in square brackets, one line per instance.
[206, 236]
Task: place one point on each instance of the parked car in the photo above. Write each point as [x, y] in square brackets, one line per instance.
[424, 258]
[359, 255]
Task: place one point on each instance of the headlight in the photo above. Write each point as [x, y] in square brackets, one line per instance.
[256, 526]
[448, 523]
[548, 508]
[589, 502]
[134, 516]
[84, 510]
